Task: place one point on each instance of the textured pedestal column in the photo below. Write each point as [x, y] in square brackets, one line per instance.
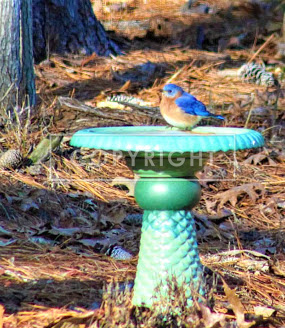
[168, 248]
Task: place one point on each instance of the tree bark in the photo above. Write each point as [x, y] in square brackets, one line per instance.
[68, 26]
[17, 86]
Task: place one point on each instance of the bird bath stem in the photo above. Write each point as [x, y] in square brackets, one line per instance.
[166, 161]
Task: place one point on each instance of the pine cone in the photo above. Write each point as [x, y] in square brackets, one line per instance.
[256, 73]
[118, 253]
[10, 159]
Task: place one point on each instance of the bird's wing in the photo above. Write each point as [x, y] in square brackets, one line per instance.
[190, 105]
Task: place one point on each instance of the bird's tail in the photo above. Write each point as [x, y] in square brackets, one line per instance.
[218, 116]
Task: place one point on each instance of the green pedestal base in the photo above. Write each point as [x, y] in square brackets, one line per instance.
[168, 249]
[167, 194]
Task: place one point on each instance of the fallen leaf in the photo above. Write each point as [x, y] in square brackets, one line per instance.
[255, 159]
[278, 267]
[264, 311]
[211, 318]
[69, 232]
[115, 215]
[269, 155]
[209, 175]
[232, 194]
[237, 307]
[224, 213]
[210, 206]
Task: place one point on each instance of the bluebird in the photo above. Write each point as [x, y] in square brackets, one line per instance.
[181, 109]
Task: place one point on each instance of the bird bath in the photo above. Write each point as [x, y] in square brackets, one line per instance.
[166, 161]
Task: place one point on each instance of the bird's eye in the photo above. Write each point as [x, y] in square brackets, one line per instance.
[169, 91]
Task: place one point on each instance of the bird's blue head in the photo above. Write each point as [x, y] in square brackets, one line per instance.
[172, 90]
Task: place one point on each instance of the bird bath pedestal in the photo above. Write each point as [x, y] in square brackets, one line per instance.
[166, 161]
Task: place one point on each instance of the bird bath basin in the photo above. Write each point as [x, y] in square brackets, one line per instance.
[166, 161]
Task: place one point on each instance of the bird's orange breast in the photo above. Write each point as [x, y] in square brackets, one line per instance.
[175, 116]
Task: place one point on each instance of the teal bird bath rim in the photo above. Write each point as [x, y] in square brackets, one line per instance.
[166, 159]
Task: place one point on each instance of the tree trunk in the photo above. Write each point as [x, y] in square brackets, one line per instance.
[17, 86]
[68, 26]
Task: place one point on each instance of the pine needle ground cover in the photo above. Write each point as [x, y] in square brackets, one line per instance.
[66, 221]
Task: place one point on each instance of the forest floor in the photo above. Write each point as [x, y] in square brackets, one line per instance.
[59, 219]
